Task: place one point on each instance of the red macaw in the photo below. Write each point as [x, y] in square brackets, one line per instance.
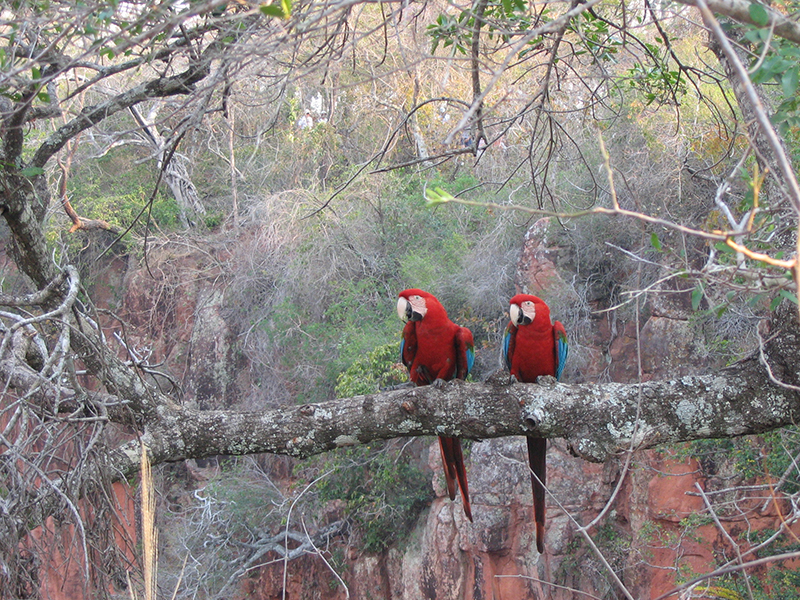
[435, 350]
[532, 346]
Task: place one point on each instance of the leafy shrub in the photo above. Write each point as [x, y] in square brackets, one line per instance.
[379, 368]
[384, 490]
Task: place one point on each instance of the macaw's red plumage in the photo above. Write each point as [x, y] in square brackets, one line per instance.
[532, 347]
[434, 349]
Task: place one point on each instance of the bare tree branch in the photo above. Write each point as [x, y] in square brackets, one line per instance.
[739, 10]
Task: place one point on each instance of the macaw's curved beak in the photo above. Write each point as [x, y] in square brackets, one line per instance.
[519, 316]
[404, 310]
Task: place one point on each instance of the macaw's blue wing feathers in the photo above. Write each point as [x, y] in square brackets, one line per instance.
[408, 346]
[465, 352]
[508, 345]
[562, 348]
[470, 350]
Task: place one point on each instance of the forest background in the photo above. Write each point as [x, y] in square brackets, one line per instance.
[192, 264]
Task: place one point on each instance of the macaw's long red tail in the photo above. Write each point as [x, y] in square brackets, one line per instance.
[537, 452]
[454, 470]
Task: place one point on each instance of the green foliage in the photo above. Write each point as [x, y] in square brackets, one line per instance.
[384, 491]
[425, 266]
[780, 67]
[768, 455]
[349, 329]
[302, 346]
[776, 583]
[280, 10]
[381, 367]
[779, 581]
[449, 30]
[124, 210]
[741, 453]
[116, 188]
[213, 220]
[656, 80]
[692, 522]
[501, 19]
[598, 39]
[716, 592]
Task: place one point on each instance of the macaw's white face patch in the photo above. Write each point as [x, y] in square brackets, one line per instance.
[412, 308]
[418, 306]
[528, 311]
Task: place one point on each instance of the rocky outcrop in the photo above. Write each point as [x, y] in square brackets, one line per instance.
[175, 306]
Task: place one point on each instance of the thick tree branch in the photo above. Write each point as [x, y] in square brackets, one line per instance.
[739, 10]
[597, 420]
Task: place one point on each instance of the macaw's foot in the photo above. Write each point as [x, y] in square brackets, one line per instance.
[547, 380]
[399, 386]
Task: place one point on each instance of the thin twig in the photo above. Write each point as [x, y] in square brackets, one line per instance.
[727, 536]
[730, 569]
[286, 531]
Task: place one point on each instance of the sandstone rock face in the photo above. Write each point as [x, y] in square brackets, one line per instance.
[185, 317]
[536, 270]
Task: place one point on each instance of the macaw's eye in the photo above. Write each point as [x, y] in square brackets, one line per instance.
[418, 307]
[523, 314]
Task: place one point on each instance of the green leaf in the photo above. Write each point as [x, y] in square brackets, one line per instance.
[286, 5]
[31, 171]
[723, 247]
[759, 14]
[789, 81]
[437, 196]
[755, 300]
[655, 242]
[788, 295]
[697, 297]
[271, 10]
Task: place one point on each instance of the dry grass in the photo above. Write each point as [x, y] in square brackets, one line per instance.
[149, 534]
